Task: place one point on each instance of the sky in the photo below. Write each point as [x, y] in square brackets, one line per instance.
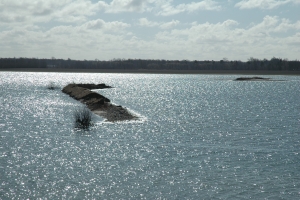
[150, 29]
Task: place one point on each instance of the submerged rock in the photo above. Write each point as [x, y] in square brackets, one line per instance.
[96, 102]
[255, 78]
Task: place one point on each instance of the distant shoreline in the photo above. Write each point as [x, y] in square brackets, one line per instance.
[144, 71]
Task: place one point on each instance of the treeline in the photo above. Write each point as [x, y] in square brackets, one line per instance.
[276, 64]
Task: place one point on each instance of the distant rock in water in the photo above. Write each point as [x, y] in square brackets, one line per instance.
[93, 86]
[255, 78]
[96, 102]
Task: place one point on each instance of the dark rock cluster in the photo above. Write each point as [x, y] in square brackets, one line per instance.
[93, 86]
[96, 102]
[255, 78]
[80, 92]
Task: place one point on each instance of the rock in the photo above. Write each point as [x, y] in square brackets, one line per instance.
[96, 102]
[93, 86]
[94, 95]
[255, 78]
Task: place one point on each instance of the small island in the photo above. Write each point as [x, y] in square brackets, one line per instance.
[97, 103]
[255, 78]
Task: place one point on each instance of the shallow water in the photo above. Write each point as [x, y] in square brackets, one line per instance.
[198, 137]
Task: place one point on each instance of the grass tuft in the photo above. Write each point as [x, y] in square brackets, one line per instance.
[83, 118]
[52, 86]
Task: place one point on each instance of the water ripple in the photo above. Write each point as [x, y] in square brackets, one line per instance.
[202, 137]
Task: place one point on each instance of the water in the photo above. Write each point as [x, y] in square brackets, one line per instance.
[199, 137]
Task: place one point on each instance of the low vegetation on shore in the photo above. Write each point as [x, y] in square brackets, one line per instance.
[274, 64]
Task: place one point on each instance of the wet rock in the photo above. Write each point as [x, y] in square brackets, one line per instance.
[93, 86]
[255, 78]
[97, 103]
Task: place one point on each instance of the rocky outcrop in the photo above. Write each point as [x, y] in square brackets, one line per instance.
[96, 102]
[93, 86]
[255, 78]
[81, 93]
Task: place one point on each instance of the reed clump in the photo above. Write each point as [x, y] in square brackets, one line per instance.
[83, 118]
[52, 86]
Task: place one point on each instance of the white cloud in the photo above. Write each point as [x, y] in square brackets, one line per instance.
[117, 6]
[161, 7]
[83, 29]
[147, 23]
[262, 4]
[100, 24]
[170, 24]
[102, 40]
[162, 25]
[76, 11]
[106, 40]
[219, 32]
[76, 42]
[95, 24]
[210, 40]
[69, 11]
[286, 25]
[266, 26]
[168, 9]
[272, 24]
[44, 11]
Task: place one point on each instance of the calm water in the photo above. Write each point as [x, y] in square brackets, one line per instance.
[199, 137]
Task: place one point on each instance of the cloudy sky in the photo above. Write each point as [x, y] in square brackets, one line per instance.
[150, 29]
